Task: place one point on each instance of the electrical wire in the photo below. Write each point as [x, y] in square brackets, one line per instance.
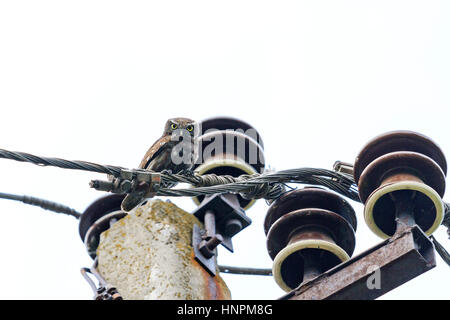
[266, 185]
[246, 271]
[42, 203]
[60, 163]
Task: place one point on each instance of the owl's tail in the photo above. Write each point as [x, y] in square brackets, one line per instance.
[130, 202]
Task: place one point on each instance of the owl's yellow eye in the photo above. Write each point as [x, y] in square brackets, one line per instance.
[190, 128]
[173, 126]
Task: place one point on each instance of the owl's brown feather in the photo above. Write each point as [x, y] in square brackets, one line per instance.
[152, 152]
[158, 156]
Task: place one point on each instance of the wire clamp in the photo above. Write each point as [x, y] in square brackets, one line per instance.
[136, 181]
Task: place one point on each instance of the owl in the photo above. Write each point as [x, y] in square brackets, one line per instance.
[174, 151]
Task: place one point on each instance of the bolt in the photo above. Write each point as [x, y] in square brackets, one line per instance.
[101, 185]
[207, 247]
[125, 185]
[232, 227]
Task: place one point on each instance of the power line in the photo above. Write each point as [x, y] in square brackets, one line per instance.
[42, 203]
[266, 185]
[269, 186]
[60, 163]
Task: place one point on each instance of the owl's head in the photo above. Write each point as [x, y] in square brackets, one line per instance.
[174, 124]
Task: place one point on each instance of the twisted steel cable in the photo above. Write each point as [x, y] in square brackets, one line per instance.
[60, 163]
[267, 185]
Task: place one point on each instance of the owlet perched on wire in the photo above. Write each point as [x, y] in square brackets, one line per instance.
[174, 151]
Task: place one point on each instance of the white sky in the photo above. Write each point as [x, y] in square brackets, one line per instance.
[96, 80]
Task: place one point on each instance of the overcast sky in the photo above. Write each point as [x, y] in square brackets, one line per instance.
[96, 81]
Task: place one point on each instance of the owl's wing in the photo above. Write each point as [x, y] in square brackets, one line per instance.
[154, 151]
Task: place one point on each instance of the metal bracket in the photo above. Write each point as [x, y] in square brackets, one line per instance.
[209, 264]
[222, 220]
[230, 218]
[397, 260]
[343, 167]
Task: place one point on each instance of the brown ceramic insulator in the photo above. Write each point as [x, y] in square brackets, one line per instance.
[229, 123]
[310, 232]
[308, 263]
[400, 166]
[307, 242]
[310, 224]
[97, 218]
[97, 209]
[401, 181]
[398, 141]
[309, 198]
[242, 147]
[229, 146]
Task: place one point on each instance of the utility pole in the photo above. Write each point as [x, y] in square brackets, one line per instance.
[148, 254]
[159, 251]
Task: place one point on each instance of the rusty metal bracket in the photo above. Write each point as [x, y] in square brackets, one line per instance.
[208, 263]
[223, 218]
[404, 256]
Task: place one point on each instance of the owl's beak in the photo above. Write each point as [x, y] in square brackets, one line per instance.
[180, 135]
